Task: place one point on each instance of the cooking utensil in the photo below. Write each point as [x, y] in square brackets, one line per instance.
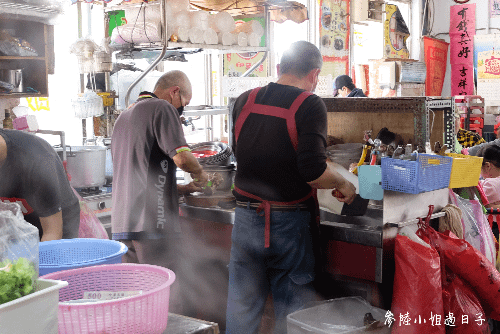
[86, 165]
[14, 77]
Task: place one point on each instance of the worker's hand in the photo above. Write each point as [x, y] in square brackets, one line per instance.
[345, 193]
[200, 179]
[189, 188]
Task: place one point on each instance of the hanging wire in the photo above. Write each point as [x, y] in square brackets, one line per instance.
[135, 23]
[145, 30]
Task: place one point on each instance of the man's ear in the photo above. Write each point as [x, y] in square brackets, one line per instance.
[312, 77]
[278, 69]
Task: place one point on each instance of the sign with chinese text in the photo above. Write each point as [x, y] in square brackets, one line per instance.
[487, 57]
[395, 34]
[462, 31]
[494, 8]
[436, 56]
[334, 36]
[235, 64]
[487, 52]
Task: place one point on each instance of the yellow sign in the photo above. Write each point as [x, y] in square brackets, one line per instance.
[38, 103]
[395, 34]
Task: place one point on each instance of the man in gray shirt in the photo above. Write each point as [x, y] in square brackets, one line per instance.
[148, 145]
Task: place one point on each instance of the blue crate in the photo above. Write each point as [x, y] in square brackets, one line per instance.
[429, 172]
[57, 255]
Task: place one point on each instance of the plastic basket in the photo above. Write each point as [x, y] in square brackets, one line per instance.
[465, 170]
[429, 172]
[144, 313]
[341, 315]
[57, 255]
[35, 313]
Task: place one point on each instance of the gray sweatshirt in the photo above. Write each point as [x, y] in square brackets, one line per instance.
[478, 149]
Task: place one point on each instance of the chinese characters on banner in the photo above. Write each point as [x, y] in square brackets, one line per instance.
[462, 31]
[494, 8]
[433, 320]
[436, 53]
[334, 36]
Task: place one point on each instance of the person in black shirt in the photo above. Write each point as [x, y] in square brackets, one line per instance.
[344, 87]
[32, 175]
[279, 144]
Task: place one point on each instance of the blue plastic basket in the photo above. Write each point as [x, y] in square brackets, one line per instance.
[57, 255]
[429, 172]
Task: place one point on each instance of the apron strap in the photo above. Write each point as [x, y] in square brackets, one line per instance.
[266, 206]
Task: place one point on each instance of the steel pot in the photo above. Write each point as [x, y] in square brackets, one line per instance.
[226, 172]
[86, 165]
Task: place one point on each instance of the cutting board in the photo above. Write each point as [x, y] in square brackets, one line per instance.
[329, 203]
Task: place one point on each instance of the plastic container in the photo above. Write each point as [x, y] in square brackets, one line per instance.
[429, 172]
[342, 315]
[57, 255]
[146, 312]
[465, 170]
[36, 313]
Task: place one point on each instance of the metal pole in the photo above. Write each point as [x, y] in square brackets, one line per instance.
[157, 60]
[82, 78]
[267, 37]
[209, 130]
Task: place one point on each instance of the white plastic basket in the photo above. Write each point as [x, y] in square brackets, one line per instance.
[36, 313]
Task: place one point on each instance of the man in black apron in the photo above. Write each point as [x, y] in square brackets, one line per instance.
[280, 140]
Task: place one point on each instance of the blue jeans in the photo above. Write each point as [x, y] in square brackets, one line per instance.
[286, 269]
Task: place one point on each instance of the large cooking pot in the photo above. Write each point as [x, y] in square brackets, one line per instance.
[86, 165]
[223, 174]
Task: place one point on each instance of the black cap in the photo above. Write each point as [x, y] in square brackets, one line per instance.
[341, 81]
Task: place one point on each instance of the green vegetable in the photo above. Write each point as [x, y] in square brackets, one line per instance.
[16, 279]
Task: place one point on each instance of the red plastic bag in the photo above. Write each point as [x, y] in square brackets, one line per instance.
[471, 265]
[462, 305]
[417, 293]
[90, 225]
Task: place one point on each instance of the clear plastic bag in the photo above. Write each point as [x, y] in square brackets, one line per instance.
[18, 252]
[477, 231]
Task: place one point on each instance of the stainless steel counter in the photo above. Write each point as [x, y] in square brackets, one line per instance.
[214, 214]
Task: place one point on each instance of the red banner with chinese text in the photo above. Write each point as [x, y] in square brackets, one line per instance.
[436, 55]
[462, 31]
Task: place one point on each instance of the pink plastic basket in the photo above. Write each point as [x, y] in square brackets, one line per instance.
[144, 313]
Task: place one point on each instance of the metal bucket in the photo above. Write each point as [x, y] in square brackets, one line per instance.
[86, 165]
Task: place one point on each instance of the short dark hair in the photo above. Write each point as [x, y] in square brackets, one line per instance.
[301, 58]
[343, 80]
[491, 154]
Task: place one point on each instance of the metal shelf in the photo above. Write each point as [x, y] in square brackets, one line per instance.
[28, 11]
[157, 46]
[206, 112]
